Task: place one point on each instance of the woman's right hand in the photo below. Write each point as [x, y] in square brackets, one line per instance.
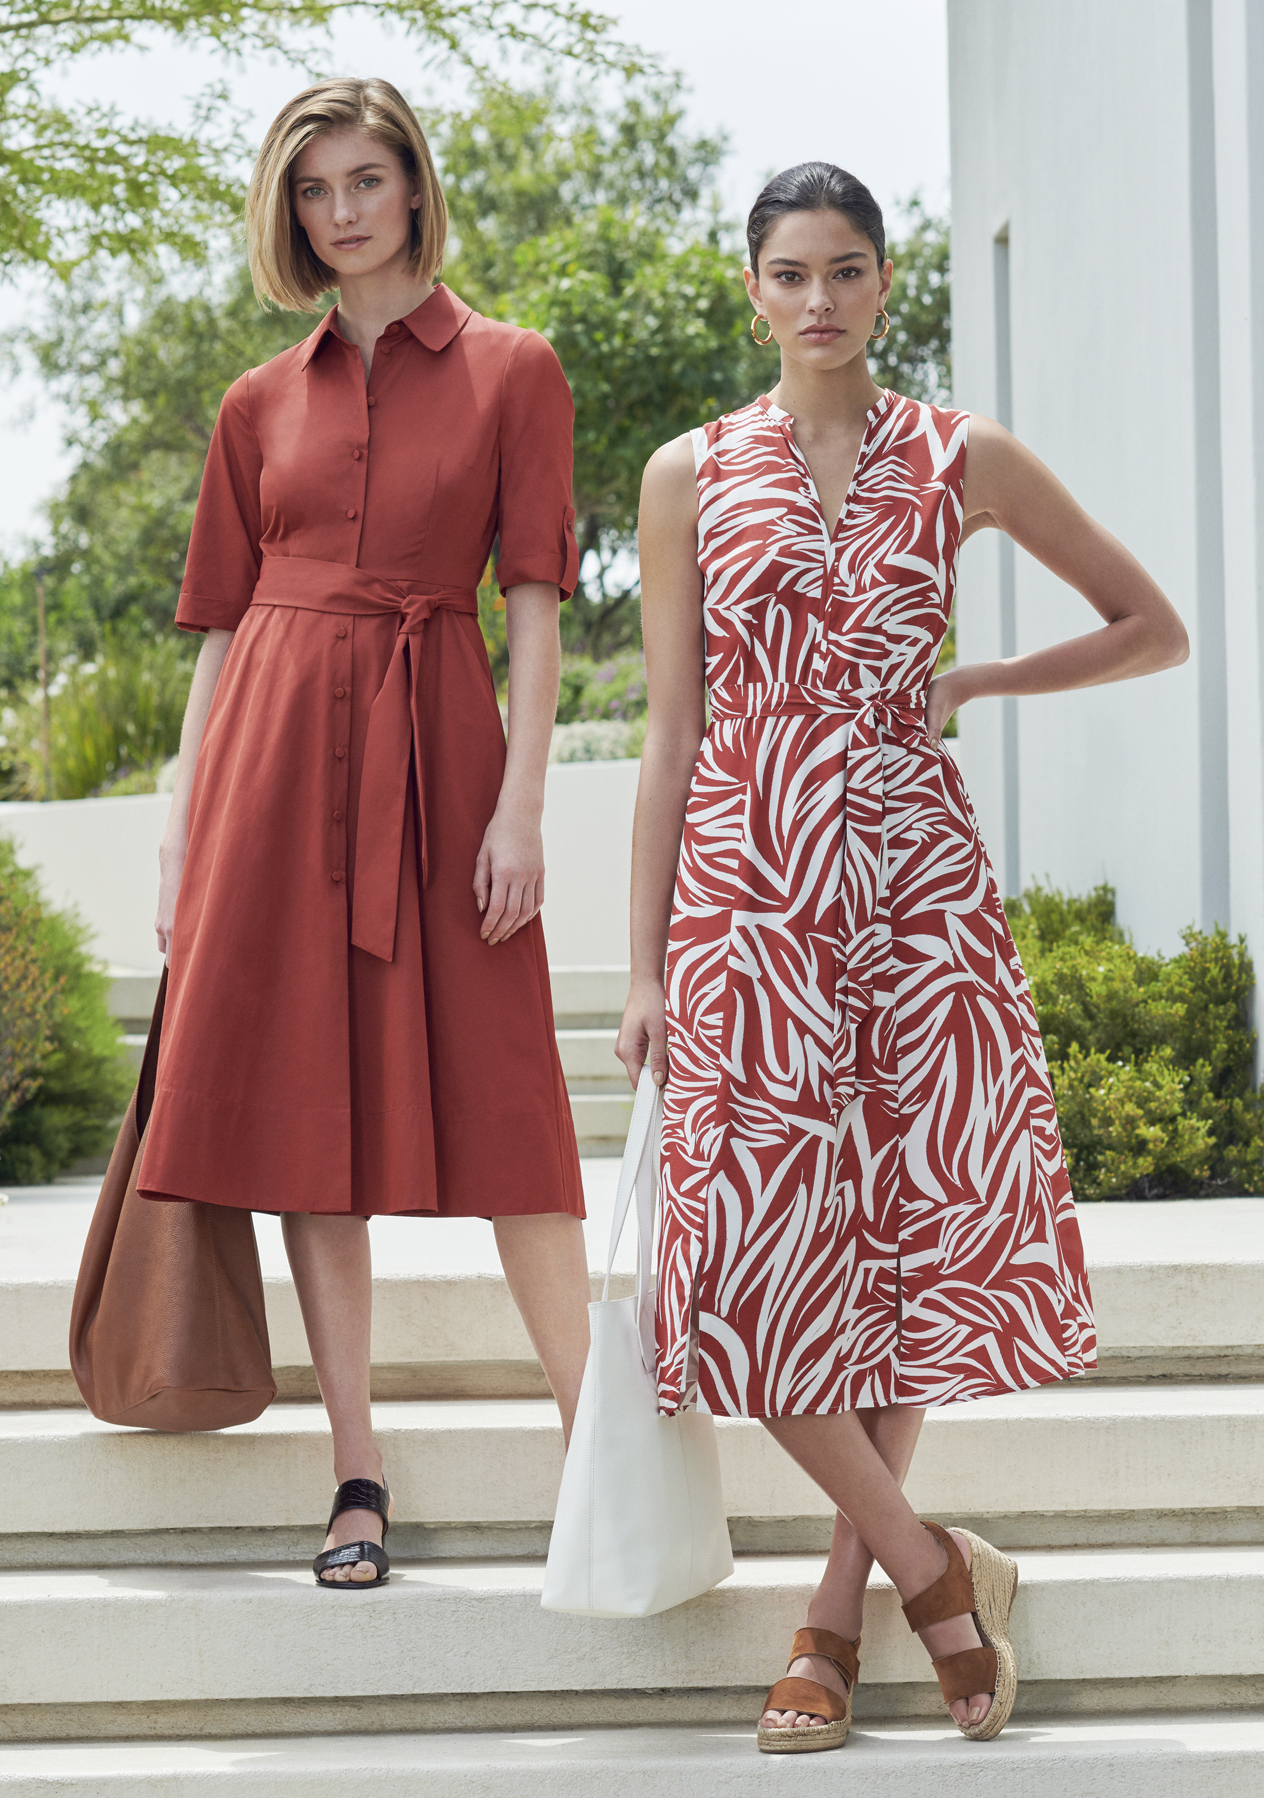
[643, 1032]
[171, 854]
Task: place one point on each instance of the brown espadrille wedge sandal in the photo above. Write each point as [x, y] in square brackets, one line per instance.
[812, 1700]
[986, 1587]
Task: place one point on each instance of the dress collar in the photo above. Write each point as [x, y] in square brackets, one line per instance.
[438, 319]
[884, 399]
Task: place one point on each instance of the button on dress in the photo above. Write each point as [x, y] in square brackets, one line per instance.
[338, 1038]
[864, 1195]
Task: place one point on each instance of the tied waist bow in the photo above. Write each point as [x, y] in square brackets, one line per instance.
[866, 974]
[395, 725]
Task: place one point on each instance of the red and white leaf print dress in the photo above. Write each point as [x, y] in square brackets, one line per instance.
[864, 1199]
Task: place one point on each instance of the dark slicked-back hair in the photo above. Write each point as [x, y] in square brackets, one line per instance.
[815, 187]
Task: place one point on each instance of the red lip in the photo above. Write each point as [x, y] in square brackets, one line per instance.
[349, 243]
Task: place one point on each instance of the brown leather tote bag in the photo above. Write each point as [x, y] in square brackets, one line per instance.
[167, 1330]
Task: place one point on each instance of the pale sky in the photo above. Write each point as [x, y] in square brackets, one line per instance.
[865, 85]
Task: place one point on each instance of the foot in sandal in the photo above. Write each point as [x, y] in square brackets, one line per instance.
[361, 1526]
[963, 1620]
[818, 1688]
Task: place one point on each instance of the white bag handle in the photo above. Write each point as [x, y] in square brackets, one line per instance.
[637, 1174]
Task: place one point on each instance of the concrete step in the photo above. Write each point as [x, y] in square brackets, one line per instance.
[1052, 1465]
[601, 1121]
[1105, 1757]
[583, 997]
[588, 1062]
[459, 1643]
[1178, 1289]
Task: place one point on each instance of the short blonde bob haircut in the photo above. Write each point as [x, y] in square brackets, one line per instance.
[286, 270]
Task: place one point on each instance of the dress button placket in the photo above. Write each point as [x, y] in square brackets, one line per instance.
[341, 684]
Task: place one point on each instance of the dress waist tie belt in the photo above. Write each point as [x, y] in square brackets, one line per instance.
[865, 971]
[395, 722]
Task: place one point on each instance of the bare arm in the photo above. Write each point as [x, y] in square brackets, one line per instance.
[509, 872]
[175, 838]
[671, 617]
[1007, 488]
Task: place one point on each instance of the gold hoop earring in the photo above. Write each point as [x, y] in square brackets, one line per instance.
[877, 336]
[761, 341]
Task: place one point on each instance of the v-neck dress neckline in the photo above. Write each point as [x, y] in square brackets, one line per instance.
[785, 424]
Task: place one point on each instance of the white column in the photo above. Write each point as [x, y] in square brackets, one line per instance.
[1239, 127]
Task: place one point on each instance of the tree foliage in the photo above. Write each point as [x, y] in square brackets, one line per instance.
[142, 374]
[915, 356]
[80, 181]
[593, 219]
[113, 721]
[598, 227]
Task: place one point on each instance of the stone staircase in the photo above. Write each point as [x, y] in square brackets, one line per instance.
[161, 1634]
[587, 1005]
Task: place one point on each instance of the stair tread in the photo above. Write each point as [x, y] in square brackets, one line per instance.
[1130, 1456]
[673, 1759]
[1075, 1399]
[149, 1634]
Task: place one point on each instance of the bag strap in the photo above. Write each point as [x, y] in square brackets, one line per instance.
[637, 1174]
[148, 1077]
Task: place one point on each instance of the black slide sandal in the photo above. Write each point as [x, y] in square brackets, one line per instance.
[357, 1495]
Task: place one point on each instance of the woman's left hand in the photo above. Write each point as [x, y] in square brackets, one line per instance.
[946, 692]
[509, 875]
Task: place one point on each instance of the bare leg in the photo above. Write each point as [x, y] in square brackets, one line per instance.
[546, 1267]
[838, 1602]
[839, 1455]
[329, 1258]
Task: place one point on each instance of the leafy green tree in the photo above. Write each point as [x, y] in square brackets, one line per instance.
[113, 721]
[653, 340]
[598, 227]
[595, 223]
[915, 356]
[80, 181]
[142, 375]
[520, 166]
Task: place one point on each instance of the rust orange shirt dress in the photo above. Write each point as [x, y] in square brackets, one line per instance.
[337, 1037]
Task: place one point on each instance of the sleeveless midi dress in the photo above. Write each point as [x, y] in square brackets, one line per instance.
[864, 1197]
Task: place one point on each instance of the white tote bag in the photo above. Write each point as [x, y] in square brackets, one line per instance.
[640, 1522]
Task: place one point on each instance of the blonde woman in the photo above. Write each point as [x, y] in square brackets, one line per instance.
[358, 1018]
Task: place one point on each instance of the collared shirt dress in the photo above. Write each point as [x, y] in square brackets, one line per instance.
[337, 1037]
[864, 1195]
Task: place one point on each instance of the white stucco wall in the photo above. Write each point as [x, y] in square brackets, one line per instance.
[101, 855]
[1077, 127]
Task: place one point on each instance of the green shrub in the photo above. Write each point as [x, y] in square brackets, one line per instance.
[77, 1083]
[1151, 1058]
[1125, 1126]
[111, 720]
[613, 690]
[28, 993]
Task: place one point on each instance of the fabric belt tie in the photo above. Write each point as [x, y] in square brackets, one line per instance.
[865, 973]
[395, 720]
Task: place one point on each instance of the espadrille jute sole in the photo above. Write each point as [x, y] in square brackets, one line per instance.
[811, 1737]
[995, 1580]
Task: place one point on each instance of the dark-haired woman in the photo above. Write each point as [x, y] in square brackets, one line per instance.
[865, 1205]
[358, 1017]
